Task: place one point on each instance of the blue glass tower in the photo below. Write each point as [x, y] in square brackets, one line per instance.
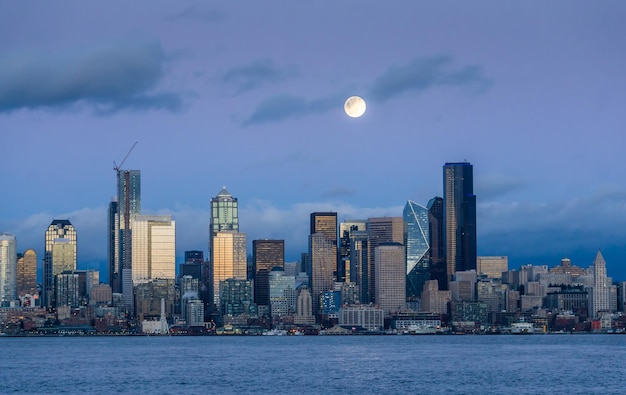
[417, 249]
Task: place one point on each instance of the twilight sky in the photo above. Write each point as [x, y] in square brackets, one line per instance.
[250, 94]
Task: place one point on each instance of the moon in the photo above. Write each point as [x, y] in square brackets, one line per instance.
[354, 106]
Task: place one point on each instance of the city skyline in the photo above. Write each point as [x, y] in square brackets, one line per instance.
[532, 99]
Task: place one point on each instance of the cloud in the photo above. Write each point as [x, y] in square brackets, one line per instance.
[490, 186]
[193, 12]
[105, 78]
[280, 107]
[258, 73]
[422, 74]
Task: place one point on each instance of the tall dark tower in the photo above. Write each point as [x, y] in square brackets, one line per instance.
[322, 259]
[224, 216]
[128, 207]
[438, 269]
[266, 255]
[459, 217]
[112, 226]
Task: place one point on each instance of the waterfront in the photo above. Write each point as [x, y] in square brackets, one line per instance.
[573, 364]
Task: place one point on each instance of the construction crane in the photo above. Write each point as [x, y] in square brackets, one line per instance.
[117, 167]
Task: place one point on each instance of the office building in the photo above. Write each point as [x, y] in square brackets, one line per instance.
[8, 270]
[434, 300]
[381, 230]
[492, 266]
[437, 262]
[128, 207]
[27, 274]
[266, 255]
[322, 258]
[59, 256]
[282, 293]
[112, 245]
[417, 249]
[359, 264]
[304, 307]
[390, 273]
[224, 216]
[459, 218]
[600, 294]
[228, 260]
[346, 228]
[237, 298]
[153, 248]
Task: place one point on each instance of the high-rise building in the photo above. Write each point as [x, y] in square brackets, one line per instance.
[224, 216]
[27, 273]
[266, 255]
[417, 249]
[359, 264]
[322, 258]
[59, 256]
[128, 207]
[228, 260]
[112, 245]
[492, 266]
[381, 230]
[600, 295]
[345, 230]
[194, 256]
[390, 269]
[8, 269]
[459, 217]
[437, 247]
[153, 248]
[282, 293]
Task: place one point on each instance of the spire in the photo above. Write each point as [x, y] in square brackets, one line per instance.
[599, 259]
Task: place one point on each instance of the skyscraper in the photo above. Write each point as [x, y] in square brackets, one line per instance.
[8, 269]
[459, 217]
[266, 254]
[228, 260]
[153, 248]
[27, 273]
[390, 277]
[437, 247]
[346, 228]
[112, 246]
[417, 249]
[381, 230]
[128, 206]
[224, 216]
[59, 255]
[600, 295]
[322, 259]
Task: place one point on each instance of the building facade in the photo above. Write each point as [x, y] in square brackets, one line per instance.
[459, 218]
[8, 269]
[27, 274]
[381, 230]
[224, 216]
[417, 249]
[437, 264]
[128, 207]
[59, 256]
[266, 255]
[228, 260]
[390, 277]
[153, 248]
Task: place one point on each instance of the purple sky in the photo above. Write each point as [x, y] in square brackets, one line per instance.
[250, 94]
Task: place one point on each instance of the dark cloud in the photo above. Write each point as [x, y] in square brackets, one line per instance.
[424, 73]
[493, 186]
[107, 79]
[285, 106]
[258, 73]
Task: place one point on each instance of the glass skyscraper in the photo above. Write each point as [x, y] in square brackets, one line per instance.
[437, 247]
[417, 249]
[459, 218]
[224, 216]
[322, 262]
[59, 256]
[8, 269]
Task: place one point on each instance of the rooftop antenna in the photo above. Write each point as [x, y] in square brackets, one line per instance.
[117, 167]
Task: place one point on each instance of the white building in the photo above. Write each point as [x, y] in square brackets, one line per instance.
[600, 294]
[153, 248]
[8, 269]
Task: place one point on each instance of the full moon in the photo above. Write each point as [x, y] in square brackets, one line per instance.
[354, 106]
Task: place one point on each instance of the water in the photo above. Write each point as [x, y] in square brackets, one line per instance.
[538, 364]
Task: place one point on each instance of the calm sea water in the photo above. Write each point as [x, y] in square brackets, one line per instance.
[538, 364]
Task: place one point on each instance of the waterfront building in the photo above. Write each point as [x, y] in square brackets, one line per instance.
[228, 260]
[224, 216]
[68, 289]
[437, 261]
[600, 294]
[381, 230]
[568, 298]
[491, 292]
[237, 298]
[475, 312]
[369, 318]
[282, 293]
[459, 218]
[266, 255]
[8, 270]
[27, 274]
[417, 249]
[346, 228]
[59, 256]
[492, 266]
[304, 307]
[434, 300]
[153, 248]
[148, 297]
[390, 277]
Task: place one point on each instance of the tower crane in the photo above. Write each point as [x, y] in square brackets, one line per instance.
[117, 167]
